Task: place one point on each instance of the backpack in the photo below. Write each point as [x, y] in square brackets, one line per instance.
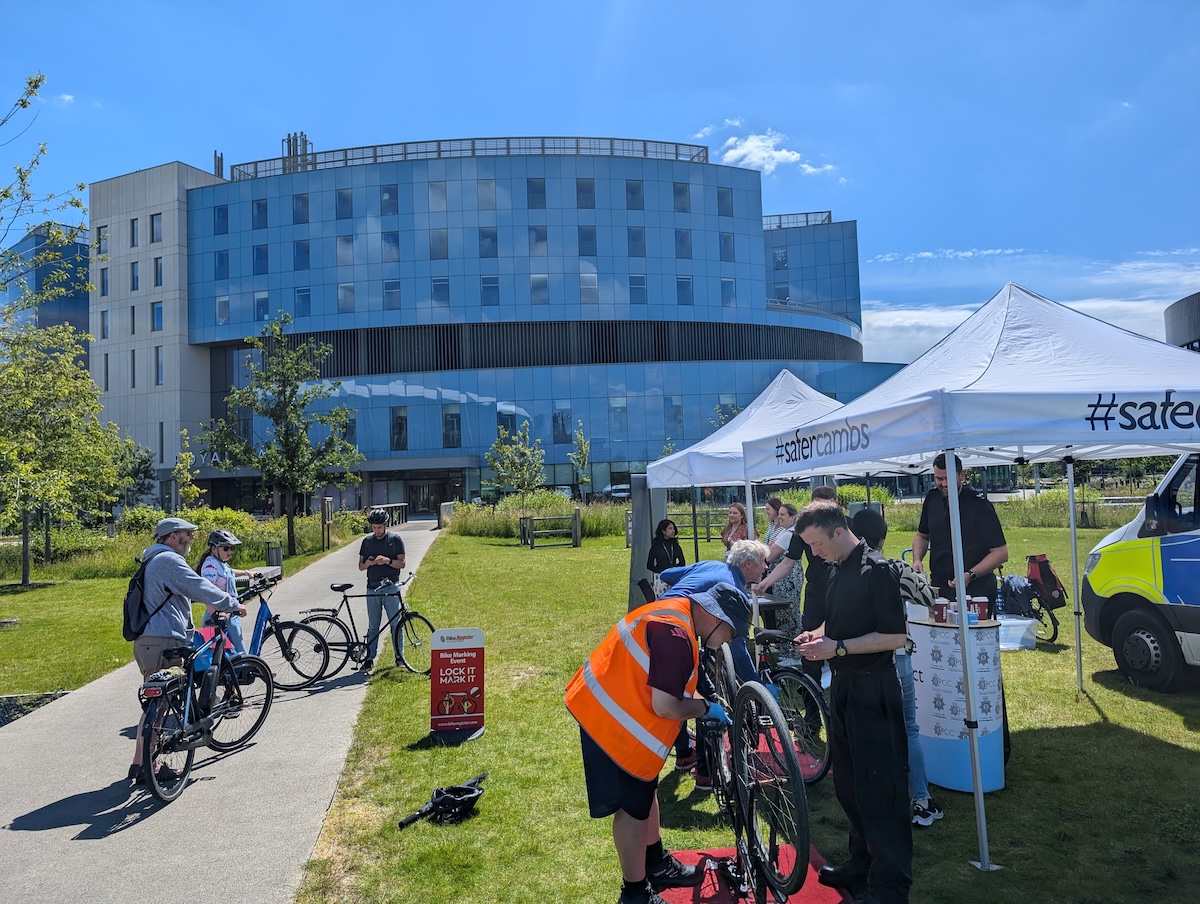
[135, 618]
[1017, 594]
[1045, 581]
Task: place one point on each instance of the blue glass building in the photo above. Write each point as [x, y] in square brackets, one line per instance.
[56, 278]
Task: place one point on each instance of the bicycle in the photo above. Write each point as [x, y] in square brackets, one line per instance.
[758, 787]
[411, 632]
[221, 706]
[296, 654]
[802, 702]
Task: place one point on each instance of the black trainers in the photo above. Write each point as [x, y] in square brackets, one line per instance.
[646, 896]
[670, 873]
[367, 665]
[926, 815]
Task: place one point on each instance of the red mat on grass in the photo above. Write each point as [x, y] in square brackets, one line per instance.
[715, 890]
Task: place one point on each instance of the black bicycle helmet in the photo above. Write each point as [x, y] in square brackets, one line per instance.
[223, 538]
[377, 516]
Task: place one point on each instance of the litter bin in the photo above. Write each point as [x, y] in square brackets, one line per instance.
[275, 556]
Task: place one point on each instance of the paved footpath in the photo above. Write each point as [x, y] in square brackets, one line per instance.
[74, 828]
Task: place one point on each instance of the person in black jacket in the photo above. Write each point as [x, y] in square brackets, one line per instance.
[665, 551]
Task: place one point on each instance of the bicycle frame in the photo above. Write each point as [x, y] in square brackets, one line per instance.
[385, 629]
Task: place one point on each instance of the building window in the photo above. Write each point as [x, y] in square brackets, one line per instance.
[345, 302]
[102, 239]
[485, 190]
[439, 244]
[345, 251]
[261, 257]
[637, 241]
[132, 320]
[637, 289]
[344, 204]
[155, 228]
[221, 308]
[300, 208]
[158, 272]
[673, 416]
[391, 247]
[539, 288]
[635, 198]
[300, 254]
[535, 194]
[262, 304]
[618, 418]
[389, 201]
[683, 244]
[562, 421]
[162, 448]
[221, 265]
[156, 317]
[780, 257]
[439, 288]
[104, 324]
[258, 213]
[134, 278]
[728, 293]
[451, 426]
[391, 294]
[585, 194]
[506, 418]
[727, 246]
[488, 243]
[105, 373]
[537, 241]
[103, 281]
[587, 241]
[782, 292]
[133, 368]
[489, 291]
[437, 197]
[683, 290]
[221, 219]
[399, 428]
[303, 302]
[726, 406]
[133, 233]
[724, 201]
[683, 197]
[589, 288]
[158, 365]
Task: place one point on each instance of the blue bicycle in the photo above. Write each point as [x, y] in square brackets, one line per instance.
[296, 654]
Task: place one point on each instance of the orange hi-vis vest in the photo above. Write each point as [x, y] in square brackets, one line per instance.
[610, 697]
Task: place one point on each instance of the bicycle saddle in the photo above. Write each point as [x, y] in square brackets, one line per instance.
[766, 635]
[340, 588]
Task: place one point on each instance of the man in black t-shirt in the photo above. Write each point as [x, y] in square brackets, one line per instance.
[381, 556]
[984, 546]
[864, 625]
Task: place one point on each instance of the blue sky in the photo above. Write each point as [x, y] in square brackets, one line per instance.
[1053, 144]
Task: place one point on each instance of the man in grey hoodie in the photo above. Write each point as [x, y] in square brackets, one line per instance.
[171, 586]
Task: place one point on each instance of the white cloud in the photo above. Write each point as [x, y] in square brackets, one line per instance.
[710, 129]
[66, 98]
[763, 152]
[945, 254]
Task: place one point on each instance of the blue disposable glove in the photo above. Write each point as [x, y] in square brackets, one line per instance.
[716, 715]
[774, 691]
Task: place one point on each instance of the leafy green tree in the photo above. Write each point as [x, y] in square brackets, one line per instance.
[516, 461]
[578, 456]
[725, 414]
[136, 479]
[283, 383]
[185, 473]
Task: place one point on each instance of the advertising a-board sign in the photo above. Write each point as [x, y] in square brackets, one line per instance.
[456, 680]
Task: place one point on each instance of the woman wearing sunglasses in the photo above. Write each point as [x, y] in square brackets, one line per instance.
[214, 565]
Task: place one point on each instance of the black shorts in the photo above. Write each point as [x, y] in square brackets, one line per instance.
[610, 788]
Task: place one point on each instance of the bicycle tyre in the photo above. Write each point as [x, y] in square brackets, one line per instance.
[244, 693]
[412, 642]
[726, 681]
[770, 788]
[803, 705]
[296, 654]
[1047, 625]
[337, 640]
[163, 748]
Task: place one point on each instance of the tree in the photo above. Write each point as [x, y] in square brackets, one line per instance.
[55, 454]
[516, 461]
[135, 472]
[725, 414]
[283, 383]
[185, 474]
[578, 457]
[668, 448]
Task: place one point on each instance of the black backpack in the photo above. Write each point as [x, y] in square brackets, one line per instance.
[135, 618]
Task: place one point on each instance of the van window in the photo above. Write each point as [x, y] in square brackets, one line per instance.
[1181, 498]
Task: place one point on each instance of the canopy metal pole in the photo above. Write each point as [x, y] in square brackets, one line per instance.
[695, 526]
[1075, 576]
[752, 526]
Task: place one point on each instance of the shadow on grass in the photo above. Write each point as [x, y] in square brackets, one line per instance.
[1184, 700]
[8, 589]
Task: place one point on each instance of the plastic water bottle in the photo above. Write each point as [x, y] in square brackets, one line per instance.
[1000, 600]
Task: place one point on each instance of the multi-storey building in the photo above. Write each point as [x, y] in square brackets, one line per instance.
[632, 286]
[55, 279]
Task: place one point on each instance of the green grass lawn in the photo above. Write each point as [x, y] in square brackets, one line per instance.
[1100, 803]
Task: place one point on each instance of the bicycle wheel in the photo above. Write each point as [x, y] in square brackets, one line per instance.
[770, 788]
[296, 654]
[1047, 626]
[337, 640]
[726, 681]
[412, 642]
[807, 714]
[166, 760]
[244, 692]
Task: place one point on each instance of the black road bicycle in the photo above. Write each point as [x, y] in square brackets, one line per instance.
[222, 706]
[296, 654]
[802, 702]
[412, 633]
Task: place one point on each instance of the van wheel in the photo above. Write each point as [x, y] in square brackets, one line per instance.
[1146, 651]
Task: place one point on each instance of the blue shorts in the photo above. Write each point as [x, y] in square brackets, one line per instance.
[610, 788]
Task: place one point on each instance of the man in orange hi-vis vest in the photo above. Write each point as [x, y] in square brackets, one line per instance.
[629, 699]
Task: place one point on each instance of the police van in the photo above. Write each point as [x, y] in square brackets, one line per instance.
[1141, 584]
